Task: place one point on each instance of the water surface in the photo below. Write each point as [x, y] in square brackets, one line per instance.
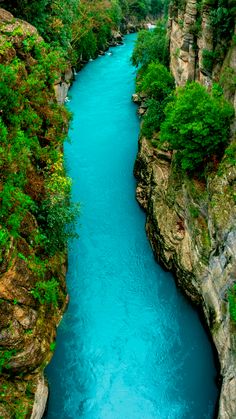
[130, 346]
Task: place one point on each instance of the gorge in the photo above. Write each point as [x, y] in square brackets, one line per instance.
[129, 346]
[152, 352]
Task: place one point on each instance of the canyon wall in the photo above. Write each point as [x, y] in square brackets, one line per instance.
[27, 325]
[191, 223]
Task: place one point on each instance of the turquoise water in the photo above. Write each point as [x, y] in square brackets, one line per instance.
[130, 346]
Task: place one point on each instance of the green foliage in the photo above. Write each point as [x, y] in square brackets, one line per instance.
[223, 19]
[156, 81]
[228, 80]
[92, 27]
[159, 7]
[197, 125]
[46, 292]
[232, 303]
[52, 18]
[32, 129]
[139, 8]
[153, 118]
[194, 212]
[177, 5]
[208, 59]
[58, 219]
[53, 346]
[14, 203]
[5, 357]
[151, 46]
[230, 154]
[4, 242]
[57, 215]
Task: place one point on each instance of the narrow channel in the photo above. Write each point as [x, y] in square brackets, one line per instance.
[130, 346]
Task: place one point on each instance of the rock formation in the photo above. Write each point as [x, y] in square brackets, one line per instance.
[27, 328]
[191, 223]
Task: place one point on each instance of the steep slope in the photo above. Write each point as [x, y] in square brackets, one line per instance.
[32, 281]
[191, 223]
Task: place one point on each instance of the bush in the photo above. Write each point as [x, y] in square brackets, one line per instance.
[56, 214]
[53, 19]
[153, 118]
[46, 292]
[32, 129]
[232, 303]
[197, 125]
[156, 81]
[139, 8]
[92, 27]
[5, 358]
[151, 46]
[209, 59]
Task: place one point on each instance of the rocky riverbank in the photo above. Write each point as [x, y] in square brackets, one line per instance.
[191, 227]
[191, 222]
[27, 327]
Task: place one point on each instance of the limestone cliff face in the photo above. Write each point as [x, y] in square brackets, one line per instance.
[196, 51]
[191, 224]
[191, 227]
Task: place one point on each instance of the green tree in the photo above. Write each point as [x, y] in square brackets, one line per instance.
[197, 125]
[151, 46]
[154, 117]
[156, 81]
[139, 8]
[158, 84]
[52, 18]
[159, 7]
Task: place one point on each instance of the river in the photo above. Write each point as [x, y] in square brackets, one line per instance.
[130, 345]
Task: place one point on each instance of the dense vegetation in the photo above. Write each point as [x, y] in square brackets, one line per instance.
[151, 46]
[154, 80]
[82, 27]
[158, 84]
[37, 217]
[33, 126]
[197, 125]
[193, 122]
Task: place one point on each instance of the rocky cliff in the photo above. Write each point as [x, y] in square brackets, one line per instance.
[28, 320]
[191, 223]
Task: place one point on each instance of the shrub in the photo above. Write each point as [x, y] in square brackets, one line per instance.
[57, 214]
[140, 8]
[5, 357]
[46, 292]
[151, 46]
[232, 303]
[209, 59]
[153, 118]
[92, 27]
[32, 129]
[197, 125]
[156, 81]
